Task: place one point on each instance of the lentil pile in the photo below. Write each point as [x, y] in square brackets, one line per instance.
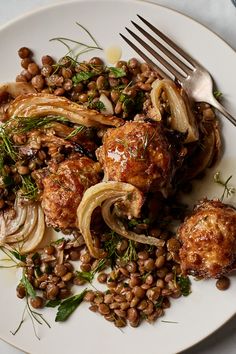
[127, 84]
[138, 281]
[138, 287]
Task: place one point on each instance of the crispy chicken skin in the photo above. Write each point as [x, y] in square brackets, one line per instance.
[137, 153]
[208, 240]
[63, 190]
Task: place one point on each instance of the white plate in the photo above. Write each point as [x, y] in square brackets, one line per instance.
[207, 308]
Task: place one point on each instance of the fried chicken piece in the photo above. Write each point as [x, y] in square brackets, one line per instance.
[137, 153]
[208, 240]
[63, 190]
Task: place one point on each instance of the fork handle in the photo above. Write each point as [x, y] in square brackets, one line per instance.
[222, 110]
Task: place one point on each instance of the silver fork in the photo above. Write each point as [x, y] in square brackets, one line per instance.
[193, 77]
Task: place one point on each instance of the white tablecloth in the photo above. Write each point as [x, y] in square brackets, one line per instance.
[220, 17]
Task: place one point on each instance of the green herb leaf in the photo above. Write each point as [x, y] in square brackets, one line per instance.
[53, 303]
[76, 131]
[159, 302]
[87, 276]
[133, 222]
[57, 242]
[82, 76]
[7, 146]
[130, 253]
[98, 105]
[29, 188]
[184, 284]
[218, 94]
[25, 124]
[228, 191]
[117, 72]
[68, 306]
[27, 285]
[8, 181]
[18, 256]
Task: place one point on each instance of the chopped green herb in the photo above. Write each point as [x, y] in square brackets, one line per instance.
[25, 124]
[130, 253]
[27, 285]
[8, 181]
[184, 284]
[87, 276]
[36, 256]
[228, 191]
[7, 146]
[29, 189]
[53, 303]
[123, 97]
[82, 76]
[57, 242]
[133, 222]
[159, 303]
[76, 131]
[128, 105]
[68, 306]
[218, 94]
[17, 255]
[117, 72]
[98, 105]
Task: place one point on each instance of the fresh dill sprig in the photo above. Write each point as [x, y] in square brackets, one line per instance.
[6, 146]
[84, 47]
[130, 253]
[74, 132]
[34, 316]
[13, 256]
[228, 191]
[24, 124]
[110, 246]
[29, 188]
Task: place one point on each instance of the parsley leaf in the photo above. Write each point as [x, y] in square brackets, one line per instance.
[53, 303]
[68, 306]
[82, 76]
[87, 276]
[184, 284]
[27, 285]
[117, 72]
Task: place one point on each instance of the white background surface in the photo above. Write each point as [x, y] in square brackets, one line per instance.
[219, 16]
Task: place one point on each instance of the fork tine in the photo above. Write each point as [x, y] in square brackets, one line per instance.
[170, 42]
[166, 51]
[146, 58]
[167, 65]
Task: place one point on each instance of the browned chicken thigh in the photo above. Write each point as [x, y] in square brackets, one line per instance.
[64, 188]
[208, 239]
[137, 153]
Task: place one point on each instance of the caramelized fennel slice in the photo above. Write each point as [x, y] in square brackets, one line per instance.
[35, 237]
[182, 118]
[106, 194]
[15, 89]
[14, 218]
[43, 104]
[116, 225]
[27, 227]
